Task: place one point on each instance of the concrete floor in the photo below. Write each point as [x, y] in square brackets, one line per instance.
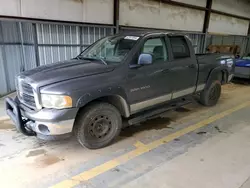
[192, 147]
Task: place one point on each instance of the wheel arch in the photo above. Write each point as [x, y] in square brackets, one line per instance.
[219, 73]
[116, 100]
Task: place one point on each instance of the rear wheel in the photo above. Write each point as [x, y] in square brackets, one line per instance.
[211, 95]
[98, 125]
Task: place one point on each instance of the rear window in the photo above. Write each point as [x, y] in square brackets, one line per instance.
[179, 47]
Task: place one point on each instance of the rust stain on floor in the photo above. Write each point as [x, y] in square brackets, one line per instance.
[47, 160]
[153, 124]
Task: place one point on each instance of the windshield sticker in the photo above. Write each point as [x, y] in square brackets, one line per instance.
[131, 38]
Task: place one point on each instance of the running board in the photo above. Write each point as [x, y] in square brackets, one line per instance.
[144, 116]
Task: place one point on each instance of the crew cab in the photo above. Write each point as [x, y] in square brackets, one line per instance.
[125, 77]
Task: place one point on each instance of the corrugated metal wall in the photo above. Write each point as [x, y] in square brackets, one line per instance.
[248, 46]
[24, 46]
[241, 41]
[57, 42]
[198, 42]
[61, 42]
[3, 81]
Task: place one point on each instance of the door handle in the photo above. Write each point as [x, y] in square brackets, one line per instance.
[192, 66]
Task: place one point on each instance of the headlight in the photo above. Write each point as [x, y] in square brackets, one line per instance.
[223, 62]
[229, 62]
[56, 101]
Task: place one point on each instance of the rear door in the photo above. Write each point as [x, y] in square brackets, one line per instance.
[149, 85]
[184, 66]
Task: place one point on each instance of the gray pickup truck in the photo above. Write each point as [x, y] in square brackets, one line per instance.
[125, 77]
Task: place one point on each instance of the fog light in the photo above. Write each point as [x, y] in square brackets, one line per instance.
[43, 129]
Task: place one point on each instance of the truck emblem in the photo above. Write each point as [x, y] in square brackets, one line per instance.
[140, 88]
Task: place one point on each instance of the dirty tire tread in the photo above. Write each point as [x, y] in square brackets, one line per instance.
[204, 97]
[87, 114]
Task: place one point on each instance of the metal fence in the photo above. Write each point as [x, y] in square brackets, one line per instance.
[25, 45]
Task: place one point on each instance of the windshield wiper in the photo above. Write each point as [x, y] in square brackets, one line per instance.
[92, 58]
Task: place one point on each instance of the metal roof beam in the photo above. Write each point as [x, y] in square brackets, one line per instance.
[207, 16]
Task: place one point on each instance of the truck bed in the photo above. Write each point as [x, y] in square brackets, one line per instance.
[208, 57]
[207, 61]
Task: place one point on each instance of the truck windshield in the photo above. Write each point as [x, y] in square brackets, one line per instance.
[111, 49]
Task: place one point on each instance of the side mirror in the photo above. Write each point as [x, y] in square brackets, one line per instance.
[145, 59]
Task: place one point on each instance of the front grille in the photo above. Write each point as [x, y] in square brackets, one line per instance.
[27, 88]
[26, 94]
[29, 100]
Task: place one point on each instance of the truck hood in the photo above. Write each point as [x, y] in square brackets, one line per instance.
[65, 70]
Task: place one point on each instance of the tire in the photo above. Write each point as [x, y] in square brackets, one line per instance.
[211, 95]
[97, 125]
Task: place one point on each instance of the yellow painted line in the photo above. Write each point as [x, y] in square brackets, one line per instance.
[139, 144]
[141, 149]
[96, 171]
[67, 183]
[196, 126]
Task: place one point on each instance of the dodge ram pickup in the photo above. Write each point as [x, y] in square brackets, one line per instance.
[125, 77]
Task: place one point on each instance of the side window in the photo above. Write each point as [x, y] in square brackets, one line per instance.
[157, 48]
[179, 47]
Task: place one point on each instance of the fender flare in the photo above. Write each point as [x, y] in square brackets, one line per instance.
[118, 99]
[214, 72]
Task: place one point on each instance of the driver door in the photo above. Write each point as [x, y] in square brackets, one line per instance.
[149, 85]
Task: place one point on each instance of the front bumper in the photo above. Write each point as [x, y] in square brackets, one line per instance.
[46, 123]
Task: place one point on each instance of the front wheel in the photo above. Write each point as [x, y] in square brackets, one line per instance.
[97, 125]
[211, 95]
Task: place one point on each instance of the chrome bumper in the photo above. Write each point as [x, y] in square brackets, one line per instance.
[43, 123]
[51, 128]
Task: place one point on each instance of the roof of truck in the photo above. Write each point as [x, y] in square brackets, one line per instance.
[147, 32]
[142, 33]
